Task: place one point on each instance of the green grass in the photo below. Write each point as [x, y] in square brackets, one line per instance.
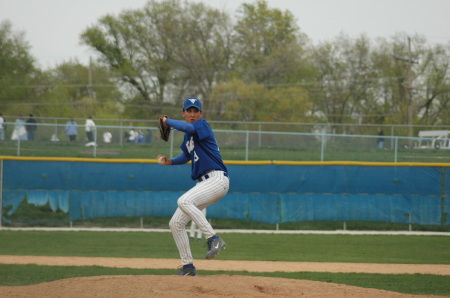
[79, 150]
[417, 284]
[258, 247]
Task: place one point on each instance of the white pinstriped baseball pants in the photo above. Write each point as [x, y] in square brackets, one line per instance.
[189, 208]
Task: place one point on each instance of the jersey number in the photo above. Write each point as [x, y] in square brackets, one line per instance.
[190, 147]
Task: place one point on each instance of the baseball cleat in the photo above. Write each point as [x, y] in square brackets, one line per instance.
[187, 270]
[215, 245]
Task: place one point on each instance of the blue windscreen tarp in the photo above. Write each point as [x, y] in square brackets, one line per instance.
[268, 193]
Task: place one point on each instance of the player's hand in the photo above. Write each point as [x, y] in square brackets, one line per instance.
[162, 160]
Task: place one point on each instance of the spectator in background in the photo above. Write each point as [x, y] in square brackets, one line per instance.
[19, 133]
[90, 130]
[31, 127]
[107, 136]
[140, 138]
[380, 140]
[72, 130]
[132, 136]
[2, 128]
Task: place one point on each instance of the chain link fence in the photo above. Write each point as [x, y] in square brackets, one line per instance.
[248, 141]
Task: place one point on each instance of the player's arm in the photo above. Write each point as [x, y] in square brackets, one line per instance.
[180, 159]
[181, 125]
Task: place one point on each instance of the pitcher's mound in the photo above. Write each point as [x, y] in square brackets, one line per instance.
[188, 286]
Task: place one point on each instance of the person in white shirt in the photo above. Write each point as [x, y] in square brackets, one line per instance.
[107, 136]
[19, 133]
[90, 129]
[133, 136]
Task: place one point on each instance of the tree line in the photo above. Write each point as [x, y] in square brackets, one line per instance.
[255, 65]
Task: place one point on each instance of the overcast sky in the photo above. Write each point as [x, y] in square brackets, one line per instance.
[53, 27]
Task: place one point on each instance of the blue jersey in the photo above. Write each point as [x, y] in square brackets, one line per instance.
[202, 149]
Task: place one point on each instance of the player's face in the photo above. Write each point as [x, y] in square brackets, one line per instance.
[192, 115]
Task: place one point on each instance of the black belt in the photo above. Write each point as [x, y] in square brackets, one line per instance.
[206, 176]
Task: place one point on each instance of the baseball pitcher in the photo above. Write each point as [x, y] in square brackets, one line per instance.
[200, 147]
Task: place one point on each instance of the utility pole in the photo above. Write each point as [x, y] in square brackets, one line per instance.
[409, 89]
[410, 92]
[90, 77]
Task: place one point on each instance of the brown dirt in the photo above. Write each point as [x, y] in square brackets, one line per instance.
[203, 286]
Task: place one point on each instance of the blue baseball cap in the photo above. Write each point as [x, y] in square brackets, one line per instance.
[192, 102]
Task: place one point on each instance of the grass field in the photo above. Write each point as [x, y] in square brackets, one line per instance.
[338, 152]
[258, 247]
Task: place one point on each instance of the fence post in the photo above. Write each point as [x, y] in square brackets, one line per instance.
[56, 127]
[95, 142]
[322, 149]
[121, 133]
[259, 136]
[18, 146]
[395, 148]
[392, 134]
[246, 145]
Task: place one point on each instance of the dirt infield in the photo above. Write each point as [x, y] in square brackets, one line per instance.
[198, 286]
[202, 286]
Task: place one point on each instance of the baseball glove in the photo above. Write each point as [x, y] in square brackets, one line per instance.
[164, 129]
